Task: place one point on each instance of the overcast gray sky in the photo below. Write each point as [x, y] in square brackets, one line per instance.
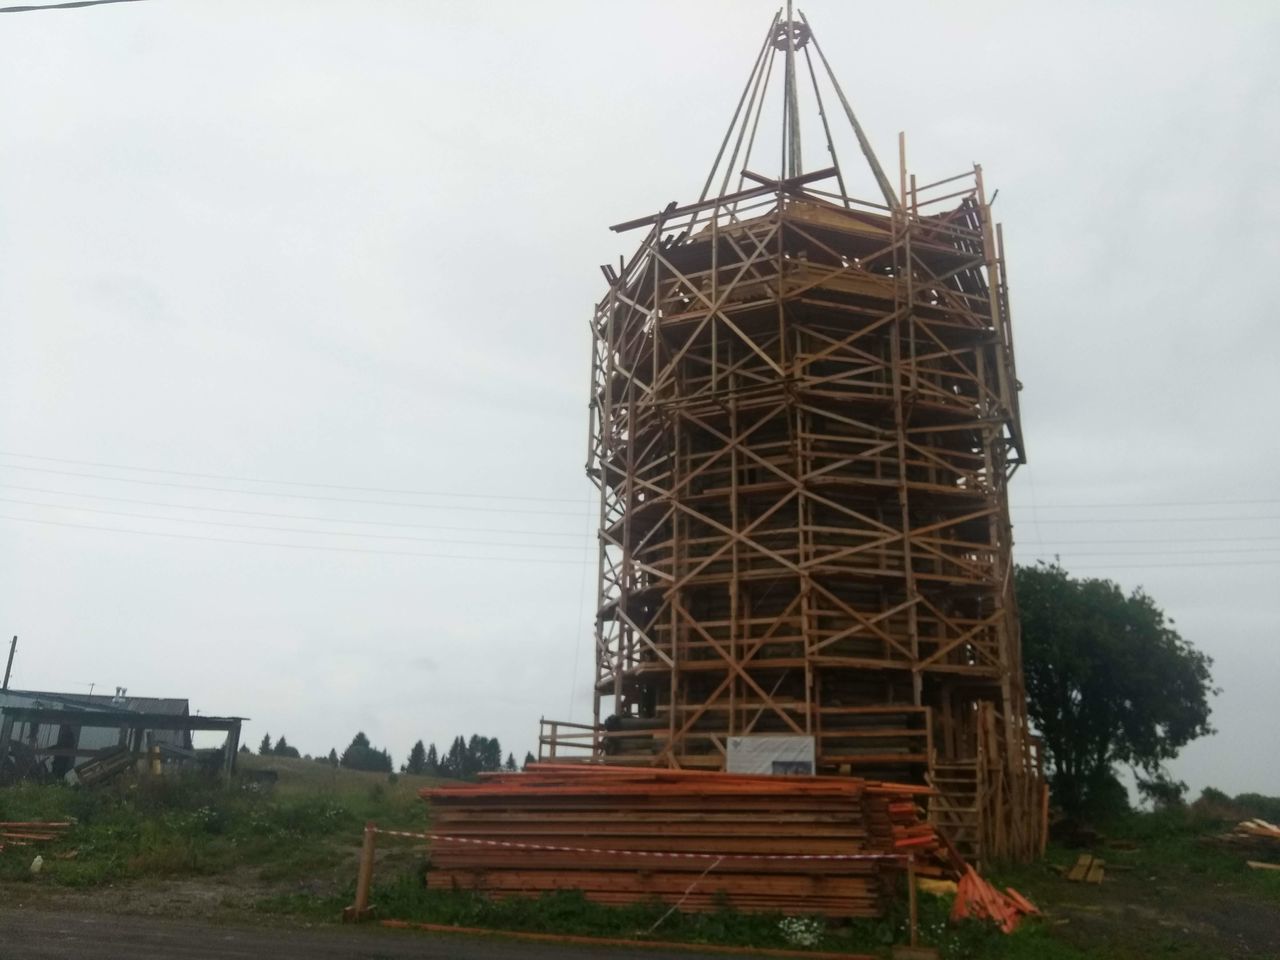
[356, 244]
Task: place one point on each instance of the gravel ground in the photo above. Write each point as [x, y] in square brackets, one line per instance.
[41, 934]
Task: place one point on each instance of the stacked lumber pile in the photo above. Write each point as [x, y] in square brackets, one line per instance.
[893, 812]
[1255, 839]
[620, 835]
[24, 834]
[1259, 830]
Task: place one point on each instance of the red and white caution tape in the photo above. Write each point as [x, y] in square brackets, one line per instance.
[899, 857]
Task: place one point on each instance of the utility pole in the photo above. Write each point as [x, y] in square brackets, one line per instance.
[13, 645]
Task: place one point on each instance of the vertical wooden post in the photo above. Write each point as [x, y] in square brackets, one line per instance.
[6, 732]
[230, 748]
[364, 879]
[912, 906]
[1044, 817]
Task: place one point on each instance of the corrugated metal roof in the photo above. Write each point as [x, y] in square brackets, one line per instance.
[173, 706]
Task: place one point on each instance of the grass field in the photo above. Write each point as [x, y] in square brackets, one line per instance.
[289, 851]
[303, 828]
[1176, 894]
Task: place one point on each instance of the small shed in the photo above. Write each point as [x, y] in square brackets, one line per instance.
[53, 731]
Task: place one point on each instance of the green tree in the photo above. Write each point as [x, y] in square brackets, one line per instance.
[491, 758]
[457, 762]
[465, 757]
[282, 749]
[362, 755]
[529, 758]
[417, 762]
[1109, 681]
[1162, 791]
[264, 748]
[333, 757]
[484, 754]
[510, 765]
[474, 754]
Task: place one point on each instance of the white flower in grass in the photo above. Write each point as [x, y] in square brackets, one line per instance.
[801, 931]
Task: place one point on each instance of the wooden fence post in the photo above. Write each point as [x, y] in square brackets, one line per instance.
[361, 910]
[911, 899]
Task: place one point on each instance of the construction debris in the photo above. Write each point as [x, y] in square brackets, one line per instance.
[980, 900]
[832, 845]
[937, 888]
[24, 833]
[1259, 828]
[1256, 839]
[107, 765]
[1087, 869]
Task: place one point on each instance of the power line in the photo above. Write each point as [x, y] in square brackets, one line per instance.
[70, 5]
[1184, 566]
[532, 560]
[290, 483]
[1162, 553]
[542, 499]
[537, 561]
[407, 525]
[1153, 503]
[317, 533]
[1081, 520]
[286, 516]
[290, 496]
[1153, 540]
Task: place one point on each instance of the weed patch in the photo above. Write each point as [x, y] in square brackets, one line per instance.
[304, 827]
[405, 897]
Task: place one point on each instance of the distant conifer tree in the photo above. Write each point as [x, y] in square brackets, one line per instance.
[417, 762]
[361, 755]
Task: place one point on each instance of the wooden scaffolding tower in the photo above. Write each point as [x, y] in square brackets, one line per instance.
[804, 419]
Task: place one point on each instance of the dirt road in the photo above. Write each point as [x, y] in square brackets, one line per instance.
[35, 934]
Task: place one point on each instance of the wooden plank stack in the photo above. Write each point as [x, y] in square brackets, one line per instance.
[28, 832]
[829, 845]
[1087, 869]
[1258, 828]
[1258, 840]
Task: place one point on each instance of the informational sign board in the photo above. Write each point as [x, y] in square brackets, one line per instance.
[769, 754]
